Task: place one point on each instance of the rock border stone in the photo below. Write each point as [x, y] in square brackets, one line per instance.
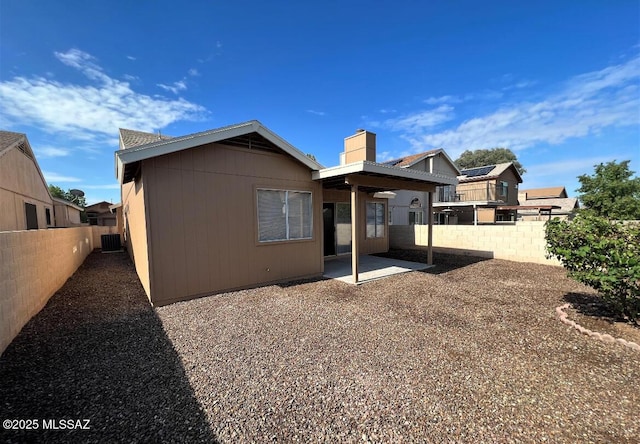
[606, 338]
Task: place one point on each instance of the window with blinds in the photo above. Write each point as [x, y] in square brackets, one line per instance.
[375, 219]
[284, 215]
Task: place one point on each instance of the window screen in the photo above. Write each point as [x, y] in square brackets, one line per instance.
[47, 214]
[284, 215]
[375, 219]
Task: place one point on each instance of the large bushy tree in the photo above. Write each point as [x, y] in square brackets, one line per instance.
[601, 253]
[611, 192]
[492, 156]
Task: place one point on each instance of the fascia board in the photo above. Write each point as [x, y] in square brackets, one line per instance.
[376, 168]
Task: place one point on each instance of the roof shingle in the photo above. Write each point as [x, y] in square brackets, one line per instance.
[130, 138]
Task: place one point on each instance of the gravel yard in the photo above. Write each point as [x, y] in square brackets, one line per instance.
[469, 351]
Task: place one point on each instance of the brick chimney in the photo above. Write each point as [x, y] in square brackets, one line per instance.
[360, 146]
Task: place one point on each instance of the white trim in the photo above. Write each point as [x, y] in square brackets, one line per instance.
[364, 166]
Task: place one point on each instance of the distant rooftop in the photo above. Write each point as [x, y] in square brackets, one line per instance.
[410, 160]
[130, 138]
[486, 172]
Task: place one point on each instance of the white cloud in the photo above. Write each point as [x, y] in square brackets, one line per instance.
[317, 113]
[193, 72]
[88, 112]
[50, 177]
[131, 57]
[417, 123]
[572, 167]
[442, 99]
[388, 111]
[50, 151]
[585, 105]
[131, 78]
[563, 172]
[175, 88]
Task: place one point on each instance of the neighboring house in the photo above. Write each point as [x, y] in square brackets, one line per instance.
[25, 201]
[238, 206]
[486, 194]
[67, 214]
[545, 203]
[100, 214]
[409, 207]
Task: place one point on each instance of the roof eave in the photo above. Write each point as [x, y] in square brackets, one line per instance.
[168, 146]
[376, 168]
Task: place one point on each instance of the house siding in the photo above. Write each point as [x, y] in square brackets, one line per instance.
[20, 183]
[366, 245]
[135, 221]
[202, 223]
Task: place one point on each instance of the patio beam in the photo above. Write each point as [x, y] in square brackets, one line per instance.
[355, 223]
[430, 230]
[388, 184]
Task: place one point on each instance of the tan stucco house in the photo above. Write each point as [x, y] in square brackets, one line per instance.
[487, 194]
[67, 214]
[24, 197]
[238, 206]
[546, 203]
[409, 207]
[101, 214]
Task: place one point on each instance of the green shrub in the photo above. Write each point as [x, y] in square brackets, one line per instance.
[602, 254]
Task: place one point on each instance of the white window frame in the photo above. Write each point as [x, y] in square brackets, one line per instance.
[416, 212]
[288, 237]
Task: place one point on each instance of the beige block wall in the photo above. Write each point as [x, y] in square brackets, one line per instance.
[98, 231]
[34, 264]
[522, 242]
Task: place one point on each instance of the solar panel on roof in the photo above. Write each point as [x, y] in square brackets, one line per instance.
[392, 162]
[480, 171]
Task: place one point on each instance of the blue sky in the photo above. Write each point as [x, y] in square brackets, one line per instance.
[558, 82]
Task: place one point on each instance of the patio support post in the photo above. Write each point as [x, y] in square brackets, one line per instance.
[475, 214]
[430, 232]
[355, 223]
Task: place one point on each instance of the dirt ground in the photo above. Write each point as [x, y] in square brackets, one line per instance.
[469, 351]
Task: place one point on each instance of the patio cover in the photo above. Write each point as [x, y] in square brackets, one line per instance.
[372, 177]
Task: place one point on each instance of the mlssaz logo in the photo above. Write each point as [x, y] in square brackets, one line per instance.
[66, 424]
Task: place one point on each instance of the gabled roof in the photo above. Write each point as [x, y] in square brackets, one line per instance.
[248, 134]
[97, 205]
[130, 138]
[566, 204]
[9, 140]
[487, 172]
[409, 161]
[67, 203]
[545, 193]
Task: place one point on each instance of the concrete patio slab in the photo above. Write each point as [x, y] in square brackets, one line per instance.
[371, 268]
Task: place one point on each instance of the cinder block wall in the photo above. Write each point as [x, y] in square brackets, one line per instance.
[522, 242]
[34, 264]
